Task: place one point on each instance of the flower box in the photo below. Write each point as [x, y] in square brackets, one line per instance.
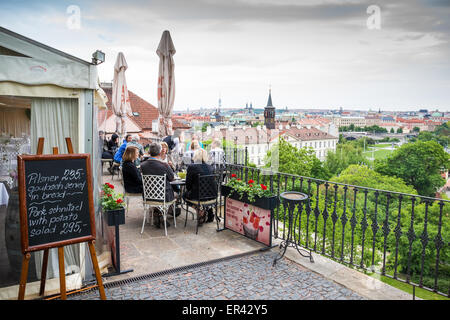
[268, 203]
[115, 217]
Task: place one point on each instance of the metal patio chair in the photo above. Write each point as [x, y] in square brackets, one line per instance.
[206, 197]
[154, 190]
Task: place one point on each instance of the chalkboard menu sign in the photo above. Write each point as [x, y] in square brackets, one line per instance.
[56, 203]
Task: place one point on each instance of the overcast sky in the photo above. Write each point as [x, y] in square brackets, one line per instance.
[313, 54]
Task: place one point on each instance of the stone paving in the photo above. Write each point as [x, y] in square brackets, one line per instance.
[249, 277]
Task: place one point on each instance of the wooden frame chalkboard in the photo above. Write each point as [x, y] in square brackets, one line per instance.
[56, 200]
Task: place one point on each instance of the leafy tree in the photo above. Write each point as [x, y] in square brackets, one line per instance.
[392, 130]
[346, 154]
[400, 130]
[297, 161]
[360, 175]
[441, 135]
[418, 164]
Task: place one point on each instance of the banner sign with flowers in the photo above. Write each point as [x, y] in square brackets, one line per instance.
[249, 209]
[249, 220]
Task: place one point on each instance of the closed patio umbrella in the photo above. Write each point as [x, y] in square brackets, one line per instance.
[120, 99]
[166, 84]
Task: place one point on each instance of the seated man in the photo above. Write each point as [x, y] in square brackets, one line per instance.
[153, 166]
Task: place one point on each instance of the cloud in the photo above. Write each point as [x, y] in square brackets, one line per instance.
[312, 52]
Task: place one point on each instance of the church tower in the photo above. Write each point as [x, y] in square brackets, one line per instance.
[269, 113]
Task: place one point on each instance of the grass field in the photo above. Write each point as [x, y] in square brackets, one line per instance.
[379, 151]
[421, 293]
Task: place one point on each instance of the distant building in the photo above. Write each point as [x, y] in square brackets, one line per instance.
[347, 121]
[143, 121]
[321, 142]
[259, 140]
[269, 113]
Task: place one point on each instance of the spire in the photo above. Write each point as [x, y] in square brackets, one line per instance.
[269, 102]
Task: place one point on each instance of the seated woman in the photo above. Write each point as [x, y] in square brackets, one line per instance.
[164, 156]
[132, 179]
[201, 167]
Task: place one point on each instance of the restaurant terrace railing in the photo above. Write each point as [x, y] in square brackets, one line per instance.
[400, 236]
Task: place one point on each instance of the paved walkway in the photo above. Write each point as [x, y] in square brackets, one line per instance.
[248, 277]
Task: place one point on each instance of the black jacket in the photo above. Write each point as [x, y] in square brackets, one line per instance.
[112, 144]
[132, 178]
[192, 186]
[158, 168]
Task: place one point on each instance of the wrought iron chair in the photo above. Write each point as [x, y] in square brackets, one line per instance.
[206, 197]
[127, 195]
[116, 167]
[154, 189]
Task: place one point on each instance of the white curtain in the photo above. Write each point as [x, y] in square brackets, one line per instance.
[14, 121]
[54, 119]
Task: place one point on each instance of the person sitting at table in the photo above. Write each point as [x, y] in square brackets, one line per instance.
[153, 166]
[109, 149]
[113, 143]
[216, 154]
[200, 166]
[132, 179]
[135, 142]
[194, 138]
[189, 155]
[119, 153]
[164, 156]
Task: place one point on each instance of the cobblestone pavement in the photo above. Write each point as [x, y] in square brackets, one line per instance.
[243, 278]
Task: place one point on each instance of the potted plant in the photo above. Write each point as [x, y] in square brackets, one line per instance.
[249, 192]
[113, 205]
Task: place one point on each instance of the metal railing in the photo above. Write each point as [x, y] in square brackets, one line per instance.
[398, 235]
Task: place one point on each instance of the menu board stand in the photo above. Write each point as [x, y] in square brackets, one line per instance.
[25, 244]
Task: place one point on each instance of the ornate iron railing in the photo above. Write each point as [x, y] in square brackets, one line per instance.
[401, 236]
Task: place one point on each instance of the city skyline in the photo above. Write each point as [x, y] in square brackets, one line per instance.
[358, 55]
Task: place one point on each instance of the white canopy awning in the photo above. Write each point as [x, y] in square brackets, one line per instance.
[29, 62]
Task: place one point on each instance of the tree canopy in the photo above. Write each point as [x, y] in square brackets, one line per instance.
[299, 161]
[346, 153]
[419, 164]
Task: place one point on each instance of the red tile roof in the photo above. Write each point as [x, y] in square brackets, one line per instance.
[147, 112]
[305, 134]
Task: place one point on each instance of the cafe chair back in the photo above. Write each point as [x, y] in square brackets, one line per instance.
[127, 195]
[116, 167]
[208, 186]
[154, 190]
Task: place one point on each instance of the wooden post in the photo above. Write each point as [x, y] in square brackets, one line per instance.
[62, 273]
[44, 272]
[24, 275]
[69, 145]
[40, 148]
[98, 276]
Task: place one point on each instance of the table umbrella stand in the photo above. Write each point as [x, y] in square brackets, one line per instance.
[116, 221]
[292, 199]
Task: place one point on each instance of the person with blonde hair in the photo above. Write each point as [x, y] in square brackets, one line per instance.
[199, 167]
[189, 155]
[164, 156]
[216, 153]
